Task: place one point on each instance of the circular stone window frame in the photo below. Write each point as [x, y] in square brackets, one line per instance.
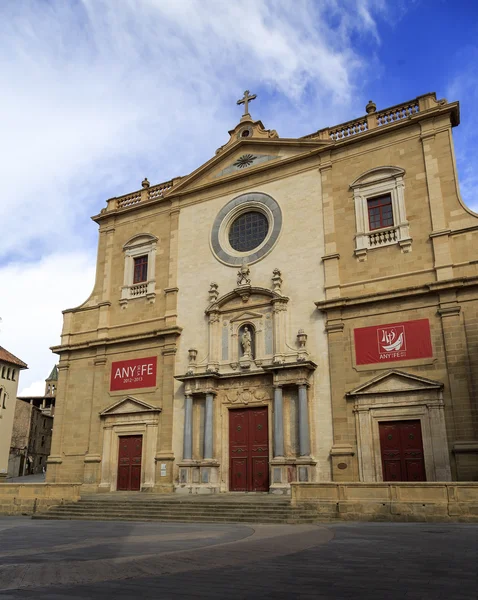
[253, 201]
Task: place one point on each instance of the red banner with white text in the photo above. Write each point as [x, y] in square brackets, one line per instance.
[395, 341]
[135, 373]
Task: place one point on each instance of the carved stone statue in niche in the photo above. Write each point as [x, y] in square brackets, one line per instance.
[246, 342]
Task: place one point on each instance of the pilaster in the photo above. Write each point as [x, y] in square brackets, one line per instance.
[56, 453]
[330, 260]
[439, 236]
[92, 459]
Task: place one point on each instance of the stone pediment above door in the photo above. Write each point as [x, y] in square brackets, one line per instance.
[395, 381]
[129, 405]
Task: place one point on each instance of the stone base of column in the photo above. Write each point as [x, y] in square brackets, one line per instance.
[160, 488]
[286, 470]
[343, 463]
[163, 474]
[305, 468]
[91, 473]
[198, 477]
[53, 469]
[104, 488]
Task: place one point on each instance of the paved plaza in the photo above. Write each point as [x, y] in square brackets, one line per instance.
[89, 560]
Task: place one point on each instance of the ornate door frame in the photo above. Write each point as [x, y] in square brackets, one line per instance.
[399, 396]
[129, 416]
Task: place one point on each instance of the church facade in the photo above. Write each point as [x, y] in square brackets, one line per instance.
[293, 310]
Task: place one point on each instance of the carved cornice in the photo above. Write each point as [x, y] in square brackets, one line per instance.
[440, 233]
[431, 288]
[123, 339]
[297, 368]
[331, 256]
[244, 291]
[449, 311]
[334, 327]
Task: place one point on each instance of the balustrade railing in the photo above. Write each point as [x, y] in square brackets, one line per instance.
[140, 289]
[129, 200]
[347, 129]
[158, 191]
[150, 193]
[382, 237]
[397, 113]
[375, 119]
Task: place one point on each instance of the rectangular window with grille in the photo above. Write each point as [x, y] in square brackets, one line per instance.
[380, 212]
[140, 269]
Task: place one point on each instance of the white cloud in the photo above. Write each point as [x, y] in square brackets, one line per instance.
[31, 310]
[97, 94]
[37, 388]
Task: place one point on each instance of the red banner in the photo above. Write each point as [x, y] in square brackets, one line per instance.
[136, 373]
[395, 341]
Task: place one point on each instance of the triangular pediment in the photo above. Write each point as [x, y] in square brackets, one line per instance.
[248, 315]
[129, 405]
[395, 381]
[242, 158]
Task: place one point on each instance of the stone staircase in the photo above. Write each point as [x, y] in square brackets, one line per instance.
[223, 508]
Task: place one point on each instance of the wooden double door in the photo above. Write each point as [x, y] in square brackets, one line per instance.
[401, 448]
[248, 450]
[129, 462]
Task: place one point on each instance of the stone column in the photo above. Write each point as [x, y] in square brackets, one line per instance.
[188, 428]
[304, 436]
[209, 426]
[278, 422]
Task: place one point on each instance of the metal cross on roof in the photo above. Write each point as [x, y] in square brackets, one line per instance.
[245, 100]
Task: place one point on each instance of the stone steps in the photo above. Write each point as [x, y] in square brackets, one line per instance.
[182, 509]
[176, 518]
[245, 513]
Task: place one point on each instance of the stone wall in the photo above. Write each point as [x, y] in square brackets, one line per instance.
[390, 501]
[29, 498]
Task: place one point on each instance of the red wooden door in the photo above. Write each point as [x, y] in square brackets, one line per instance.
[129, 462]
[402, 451]
[248, 450]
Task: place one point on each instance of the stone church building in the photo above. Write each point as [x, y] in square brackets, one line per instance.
[296, 309]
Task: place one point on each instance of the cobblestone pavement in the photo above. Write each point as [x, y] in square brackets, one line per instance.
[88, 560]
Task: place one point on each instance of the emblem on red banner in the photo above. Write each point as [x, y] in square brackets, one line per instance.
[135, 373]
[391, 339]
[394, 341]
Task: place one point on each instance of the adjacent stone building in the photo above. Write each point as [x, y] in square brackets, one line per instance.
[10, 367]
[294, 310]
[32, 430]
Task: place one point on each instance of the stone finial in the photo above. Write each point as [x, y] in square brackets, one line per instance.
[276, 281]
[213, 292]
[302, 354]
[371, 107]
[145, 183]
[302, 338]
[192, 355]
[243, 274]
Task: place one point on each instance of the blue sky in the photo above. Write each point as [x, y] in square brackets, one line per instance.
[98, 94]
